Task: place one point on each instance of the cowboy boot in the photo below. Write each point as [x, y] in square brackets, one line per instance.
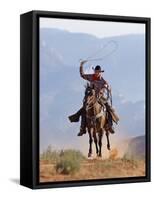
[83, 124]
[109, 119]
[82, 131]
[110, 122]
[111, 129]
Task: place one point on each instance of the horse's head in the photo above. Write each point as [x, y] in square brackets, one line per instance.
[89, 91]
[89, 96]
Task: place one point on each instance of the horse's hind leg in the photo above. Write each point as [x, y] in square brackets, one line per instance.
[108, 141]
[100, 143]
[90, 143]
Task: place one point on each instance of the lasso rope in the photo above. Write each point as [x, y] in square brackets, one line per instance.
[102, 49]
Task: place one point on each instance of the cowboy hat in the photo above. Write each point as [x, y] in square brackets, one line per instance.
[98, 68]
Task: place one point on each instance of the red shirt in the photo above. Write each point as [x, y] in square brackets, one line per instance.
[95, 77]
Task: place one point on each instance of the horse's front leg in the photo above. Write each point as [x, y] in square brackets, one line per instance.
[90, 142]
[108, 141]
[100, 142]
[95, 140]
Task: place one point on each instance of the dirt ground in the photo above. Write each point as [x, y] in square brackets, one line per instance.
[94, 169]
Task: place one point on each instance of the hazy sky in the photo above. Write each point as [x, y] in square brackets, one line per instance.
[98, 28]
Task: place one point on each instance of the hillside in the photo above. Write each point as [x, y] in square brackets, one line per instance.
[136, 148]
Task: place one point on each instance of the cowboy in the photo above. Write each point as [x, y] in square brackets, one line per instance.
[98, 83]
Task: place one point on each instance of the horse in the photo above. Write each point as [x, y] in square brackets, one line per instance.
[96, 121]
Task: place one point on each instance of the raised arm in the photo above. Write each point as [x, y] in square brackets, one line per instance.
[82, 74]
[81, 69]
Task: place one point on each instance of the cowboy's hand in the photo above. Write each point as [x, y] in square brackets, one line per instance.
[83, 62]
[107, 86]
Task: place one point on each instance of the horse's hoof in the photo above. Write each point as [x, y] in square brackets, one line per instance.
[89, 155]
[99, 155]
[108, 147]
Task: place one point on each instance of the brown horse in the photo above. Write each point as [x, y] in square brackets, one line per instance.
[95, 121]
